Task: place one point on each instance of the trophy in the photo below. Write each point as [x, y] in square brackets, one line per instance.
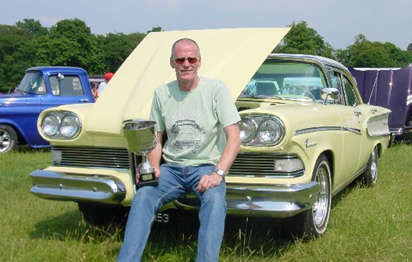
[141, 139]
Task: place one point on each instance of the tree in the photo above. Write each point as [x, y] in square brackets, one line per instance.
[70, 43]
[364, 53]
[115, 48]
[302, 39]
[34, 28]
[16, 55]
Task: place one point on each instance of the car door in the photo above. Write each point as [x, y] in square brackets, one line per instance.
[67, 90]
[351, 120]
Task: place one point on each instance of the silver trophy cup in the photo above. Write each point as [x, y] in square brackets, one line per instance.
[141, 139]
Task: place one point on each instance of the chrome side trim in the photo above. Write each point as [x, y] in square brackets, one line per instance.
[327, 128]
[75, 187]
[262, 200]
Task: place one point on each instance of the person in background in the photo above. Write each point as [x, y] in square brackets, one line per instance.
[200, 120]
[103, 84]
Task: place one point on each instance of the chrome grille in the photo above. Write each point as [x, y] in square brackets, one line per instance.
[99, 157]
[259, 165]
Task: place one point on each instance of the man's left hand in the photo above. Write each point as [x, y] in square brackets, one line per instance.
[209, 181]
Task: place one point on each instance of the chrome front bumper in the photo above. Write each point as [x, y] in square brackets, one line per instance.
[263, 200]
[75, 187]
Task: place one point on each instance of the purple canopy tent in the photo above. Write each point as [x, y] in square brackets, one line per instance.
[390, 88]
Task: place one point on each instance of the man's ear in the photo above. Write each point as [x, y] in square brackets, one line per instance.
[172, 64]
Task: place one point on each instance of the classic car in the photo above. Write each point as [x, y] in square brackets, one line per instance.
[41, 87]
[305, 131]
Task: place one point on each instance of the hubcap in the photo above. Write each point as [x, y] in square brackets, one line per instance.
[4, 141]
[321, 206]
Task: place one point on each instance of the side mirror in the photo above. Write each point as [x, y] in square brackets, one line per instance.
[60, 76]
[331, 92]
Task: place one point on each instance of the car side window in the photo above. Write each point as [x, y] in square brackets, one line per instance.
[336, 82]
[71, 86]
[351, 98]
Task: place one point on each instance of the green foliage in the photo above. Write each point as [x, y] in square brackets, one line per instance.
[16, 54]
[302, 39]
[364, 53]
[69, 43]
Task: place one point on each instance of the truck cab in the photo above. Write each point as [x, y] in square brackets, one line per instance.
[41, 88]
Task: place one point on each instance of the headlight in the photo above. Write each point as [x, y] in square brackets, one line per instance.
[50, 125]
[69, 126]
[60, 125]
[261, 130]
[247, 130]
[270, 131]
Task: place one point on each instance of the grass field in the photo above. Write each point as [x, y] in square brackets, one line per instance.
[367, 224]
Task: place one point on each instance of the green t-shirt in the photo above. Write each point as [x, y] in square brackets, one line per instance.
[194, 121]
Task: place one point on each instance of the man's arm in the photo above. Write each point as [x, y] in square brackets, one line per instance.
[226, 160]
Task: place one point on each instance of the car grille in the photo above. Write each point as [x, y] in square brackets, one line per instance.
[98, 157]
[259, 165]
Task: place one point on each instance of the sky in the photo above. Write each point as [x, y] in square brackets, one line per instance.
[337, 21]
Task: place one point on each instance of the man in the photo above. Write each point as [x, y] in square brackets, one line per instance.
[200, 120]
[103, 84]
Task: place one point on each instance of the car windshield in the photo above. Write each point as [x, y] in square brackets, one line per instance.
[32, 83]
[286, 80]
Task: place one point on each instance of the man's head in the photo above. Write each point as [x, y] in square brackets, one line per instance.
[108, 76]
[185, 59]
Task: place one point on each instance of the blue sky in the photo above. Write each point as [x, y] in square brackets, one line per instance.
[337, 21]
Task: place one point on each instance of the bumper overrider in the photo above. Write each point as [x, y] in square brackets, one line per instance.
[242, 199]
[76, 187]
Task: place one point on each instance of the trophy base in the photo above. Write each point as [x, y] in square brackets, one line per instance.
[147, 179]
[147, 183]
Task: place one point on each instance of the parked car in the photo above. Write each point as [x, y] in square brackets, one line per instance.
[305, 131]
[391, 88]
[40, 88]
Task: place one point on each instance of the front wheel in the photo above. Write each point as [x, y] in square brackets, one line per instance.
[8, 139]
[313, 222]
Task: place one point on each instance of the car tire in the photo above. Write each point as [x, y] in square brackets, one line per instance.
[370, 176]
[313, 222]
[8, 139]
[103, 215]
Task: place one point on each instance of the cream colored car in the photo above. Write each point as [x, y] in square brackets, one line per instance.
[305, 131]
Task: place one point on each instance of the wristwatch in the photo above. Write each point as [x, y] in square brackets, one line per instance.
[220, 172]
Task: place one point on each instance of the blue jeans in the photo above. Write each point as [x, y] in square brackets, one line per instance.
[174, 182]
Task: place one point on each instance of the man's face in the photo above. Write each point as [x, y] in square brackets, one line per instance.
[185, 61]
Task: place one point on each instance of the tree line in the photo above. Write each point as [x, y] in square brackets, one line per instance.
[71, 43]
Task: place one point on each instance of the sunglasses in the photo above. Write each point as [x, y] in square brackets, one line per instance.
[181, 60]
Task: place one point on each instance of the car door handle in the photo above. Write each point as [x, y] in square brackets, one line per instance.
[357, 113]
[374, 110]
[84, 100]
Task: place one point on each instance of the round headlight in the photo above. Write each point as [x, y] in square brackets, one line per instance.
[247, 130]
[69, 126]
[50, 125]
[270, 131]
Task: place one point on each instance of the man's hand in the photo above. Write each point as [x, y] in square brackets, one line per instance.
[209, 181]
[156, 172]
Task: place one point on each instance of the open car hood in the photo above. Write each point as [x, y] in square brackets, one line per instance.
[232, 55]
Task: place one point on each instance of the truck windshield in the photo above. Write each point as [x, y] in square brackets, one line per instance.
[32, 83]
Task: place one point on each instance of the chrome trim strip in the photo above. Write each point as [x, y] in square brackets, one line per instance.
[262, 200]
[327, 128]
[75, 187]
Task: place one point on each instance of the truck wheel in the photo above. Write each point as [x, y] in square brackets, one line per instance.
[102, 215]
[8, 139]
[370, 176]
[313, 222]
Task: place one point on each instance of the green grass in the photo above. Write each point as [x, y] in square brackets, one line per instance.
[367, 224]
